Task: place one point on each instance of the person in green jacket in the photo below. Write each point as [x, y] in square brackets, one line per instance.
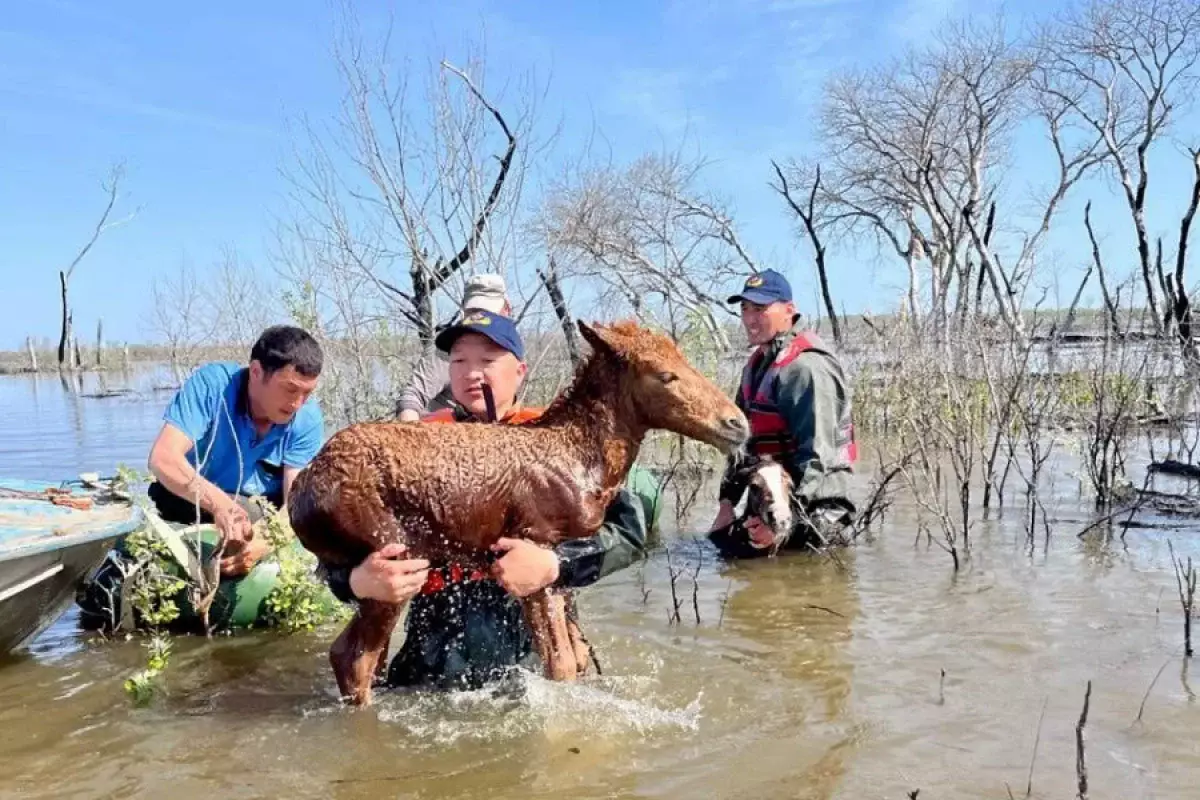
[795, 394]
[464, 631]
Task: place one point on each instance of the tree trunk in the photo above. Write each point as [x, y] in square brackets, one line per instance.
[914, 288]
[828, 298]
[549, 279]
[32, 354]
[423, 304]
[64, 338]
[99, 343]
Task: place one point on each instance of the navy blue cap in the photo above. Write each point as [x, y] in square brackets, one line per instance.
[497, 327]
[764, 288]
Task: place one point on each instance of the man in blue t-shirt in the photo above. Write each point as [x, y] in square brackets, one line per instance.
[235, 431]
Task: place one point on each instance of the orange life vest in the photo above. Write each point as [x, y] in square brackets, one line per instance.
[439, 579]
[769, 434]
[514, 417]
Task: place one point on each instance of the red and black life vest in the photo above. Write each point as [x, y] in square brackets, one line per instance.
[769, 434]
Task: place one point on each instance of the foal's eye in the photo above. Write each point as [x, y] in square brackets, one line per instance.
[667, 377]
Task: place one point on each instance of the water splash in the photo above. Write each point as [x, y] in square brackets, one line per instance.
[526, 704]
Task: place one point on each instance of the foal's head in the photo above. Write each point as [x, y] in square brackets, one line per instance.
[769, 496]
[663, 390]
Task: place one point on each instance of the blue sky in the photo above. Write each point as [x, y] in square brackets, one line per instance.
[196, 99]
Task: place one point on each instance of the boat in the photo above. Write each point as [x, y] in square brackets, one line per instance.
[51, 536]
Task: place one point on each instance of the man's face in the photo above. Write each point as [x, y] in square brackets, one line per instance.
[475, 360]
[280, 396]
[764, 322]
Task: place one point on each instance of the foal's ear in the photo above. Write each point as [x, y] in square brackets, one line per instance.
[601, 338]
[746, 467]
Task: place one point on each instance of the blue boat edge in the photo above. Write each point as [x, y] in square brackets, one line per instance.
[40, 575]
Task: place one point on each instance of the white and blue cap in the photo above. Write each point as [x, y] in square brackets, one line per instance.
[497, 327]
[764, 288]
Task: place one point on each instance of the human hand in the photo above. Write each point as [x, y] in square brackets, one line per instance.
[241, 556]
[724, 516]
[760, 535]
[408, 415]
[525, 567]
[234, 523]
[381, 576]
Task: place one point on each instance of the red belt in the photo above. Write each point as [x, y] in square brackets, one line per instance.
[439, 579]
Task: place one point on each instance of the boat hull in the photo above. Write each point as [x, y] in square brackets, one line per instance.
[35, 590]
[46, 550]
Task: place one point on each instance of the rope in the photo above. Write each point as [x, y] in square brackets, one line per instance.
[58, 497]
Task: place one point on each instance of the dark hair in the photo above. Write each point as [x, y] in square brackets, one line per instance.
[282, 345]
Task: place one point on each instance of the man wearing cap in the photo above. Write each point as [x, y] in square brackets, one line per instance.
[429, 387]
[464, 630]
[795, 395]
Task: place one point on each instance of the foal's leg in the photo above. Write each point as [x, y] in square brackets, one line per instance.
[546, 615]
[580, 647]
[358, 650]
[564, 668]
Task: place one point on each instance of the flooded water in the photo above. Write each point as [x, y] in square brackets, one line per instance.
[805, 678]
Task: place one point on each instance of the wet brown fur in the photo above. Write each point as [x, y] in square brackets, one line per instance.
[449, 492]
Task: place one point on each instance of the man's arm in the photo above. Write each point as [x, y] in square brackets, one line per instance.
[289, 477]
[810, 394]
[169, 464]
[429, 375]
[303, 445]
[620, 542]
[732, 485]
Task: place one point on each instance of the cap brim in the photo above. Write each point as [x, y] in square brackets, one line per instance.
[758, 298]
[446, 338]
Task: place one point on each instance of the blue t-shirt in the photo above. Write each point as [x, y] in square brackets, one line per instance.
[211, 409]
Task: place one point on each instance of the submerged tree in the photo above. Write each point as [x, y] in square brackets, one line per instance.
[111, 186]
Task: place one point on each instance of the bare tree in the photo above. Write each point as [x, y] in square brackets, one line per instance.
[111, 186]
[1124, 69]
[646, 234]
[398, 201]
[240, 298]
[180, 317]
[911, 144]
[914, 156]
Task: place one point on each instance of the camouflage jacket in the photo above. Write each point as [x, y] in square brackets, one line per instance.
[428, 388]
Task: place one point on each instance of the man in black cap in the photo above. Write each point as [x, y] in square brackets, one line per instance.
[796, 397]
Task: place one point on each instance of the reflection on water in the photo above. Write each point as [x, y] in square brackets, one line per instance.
[803, 678]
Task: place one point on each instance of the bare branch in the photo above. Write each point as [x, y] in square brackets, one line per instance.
[465, 252]
[808, 217]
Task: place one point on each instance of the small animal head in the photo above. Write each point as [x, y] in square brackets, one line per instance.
[768, 496]
[665, 390]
